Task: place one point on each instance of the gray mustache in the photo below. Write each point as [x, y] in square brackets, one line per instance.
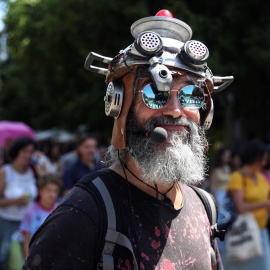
[153, 122]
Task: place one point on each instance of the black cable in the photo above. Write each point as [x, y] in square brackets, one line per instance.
[131, 71]
[155, 188]
[114, 62]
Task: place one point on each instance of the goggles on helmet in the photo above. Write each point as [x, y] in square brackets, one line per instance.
[191, 97]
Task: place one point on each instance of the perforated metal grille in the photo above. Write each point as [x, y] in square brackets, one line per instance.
[150, 42]
[197, 49]
[109, 94]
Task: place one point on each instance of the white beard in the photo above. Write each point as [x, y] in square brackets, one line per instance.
[180, 159]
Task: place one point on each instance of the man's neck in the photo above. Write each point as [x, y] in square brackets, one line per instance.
[175, 194]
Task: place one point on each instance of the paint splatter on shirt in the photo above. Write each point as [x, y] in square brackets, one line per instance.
[162, 237]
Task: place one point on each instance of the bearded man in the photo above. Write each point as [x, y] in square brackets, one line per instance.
[141, 213]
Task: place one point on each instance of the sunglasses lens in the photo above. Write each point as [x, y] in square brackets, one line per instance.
[153, 98]
[191, 97]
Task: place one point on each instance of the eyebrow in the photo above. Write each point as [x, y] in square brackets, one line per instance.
[143, 83]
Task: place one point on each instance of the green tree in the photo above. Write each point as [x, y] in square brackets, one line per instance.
[44, 84]
[237, 34]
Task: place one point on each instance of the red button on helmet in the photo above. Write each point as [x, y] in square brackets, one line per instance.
[164, 13]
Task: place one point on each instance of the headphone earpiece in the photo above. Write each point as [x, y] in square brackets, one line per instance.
[114, 99]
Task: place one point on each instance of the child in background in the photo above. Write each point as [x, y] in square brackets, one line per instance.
[49, 186]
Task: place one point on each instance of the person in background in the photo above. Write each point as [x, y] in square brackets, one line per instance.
[70, 156]
[220, 174]
[2, 160]
[85, 164]
[219, 178]
[48, 162]
[17, 190]
[49, 186]
[6, 147]
[266, 173]
[250, 192]
[266, 168]
[235, 161]
[52, 158]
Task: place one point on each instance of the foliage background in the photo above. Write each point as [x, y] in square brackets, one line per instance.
[43, 82]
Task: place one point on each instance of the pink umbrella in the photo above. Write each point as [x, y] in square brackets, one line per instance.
[12, 130]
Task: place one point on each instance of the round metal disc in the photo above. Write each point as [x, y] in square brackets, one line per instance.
[150, 42]
[197, 49]
[164, 26]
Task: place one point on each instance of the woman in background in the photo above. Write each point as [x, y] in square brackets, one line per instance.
[250, 192]
[17, 190]
[266, 173]
[49, 161]
[220, 174]
[219, 179]
[235, 161]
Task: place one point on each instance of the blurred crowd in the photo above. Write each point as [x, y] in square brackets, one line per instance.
[34, 176]
[246, 177]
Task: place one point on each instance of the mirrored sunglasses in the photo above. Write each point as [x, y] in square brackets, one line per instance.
[191, 97]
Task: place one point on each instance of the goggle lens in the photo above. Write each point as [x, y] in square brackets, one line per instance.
[191, 97]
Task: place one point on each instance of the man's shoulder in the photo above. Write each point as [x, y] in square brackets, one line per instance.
[196, 196]
[76, 222]
[104, 174]
[84, 196]
[82, 204]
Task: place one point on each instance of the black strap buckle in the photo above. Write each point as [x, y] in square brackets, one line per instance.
[216, 233]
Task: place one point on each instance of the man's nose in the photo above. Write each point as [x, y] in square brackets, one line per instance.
[173, 107]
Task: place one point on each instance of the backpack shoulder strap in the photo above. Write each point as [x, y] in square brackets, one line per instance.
[212, 213]
[112, 236]
[209, 204]
[93, 191]
[211, 210]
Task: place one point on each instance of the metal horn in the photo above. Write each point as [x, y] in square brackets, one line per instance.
[226, 81]
[94, 56]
